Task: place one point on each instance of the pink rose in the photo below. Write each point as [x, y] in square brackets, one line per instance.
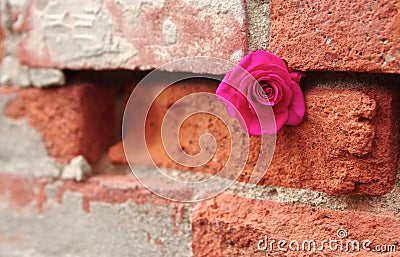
[262, 81]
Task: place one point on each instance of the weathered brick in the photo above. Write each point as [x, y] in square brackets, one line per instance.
[342, 146]
[350, 36]
[104, 216]
[22, 148]
[123, 34]
[189, 134]
[348, 142]
[23, 191]
[233, 226]
[74, 120]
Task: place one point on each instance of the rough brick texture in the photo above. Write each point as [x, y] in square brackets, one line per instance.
[109, 35]
[190, 132]
[348, 36]
[332, 180]
[105, 216]
[348, 142]
[233, 226]
[22, 192]
[74, 120]
[341, 147]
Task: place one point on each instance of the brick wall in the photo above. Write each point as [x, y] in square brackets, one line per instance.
[68, 146]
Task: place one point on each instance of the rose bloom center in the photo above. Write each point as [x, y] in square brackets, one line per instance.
[269, 91]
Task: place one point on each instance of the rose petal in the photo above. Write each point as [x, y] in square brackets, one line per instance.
[253, 59]
[254, 127]
[274, 80]
[280, 120]
[297, 107]
[284, 100]
[278, 77]
[249, 86]
[296, 76]
[258, 94]
[266, 118]
[279, 86]
[246, 116]
[225, 90]
[246, 84]
[263, 69]
[235, 77]
[246, 100]
[230, 107]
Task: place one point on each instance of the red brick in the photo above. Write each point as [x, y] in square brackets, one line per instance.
[23, 191]
[116, 153]
[73, 120]
[116, 189]
[140, 35]
[191, 130]
[347, 143]
[109, 213]
[342, 146]
[233, 226]
[350, 36]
